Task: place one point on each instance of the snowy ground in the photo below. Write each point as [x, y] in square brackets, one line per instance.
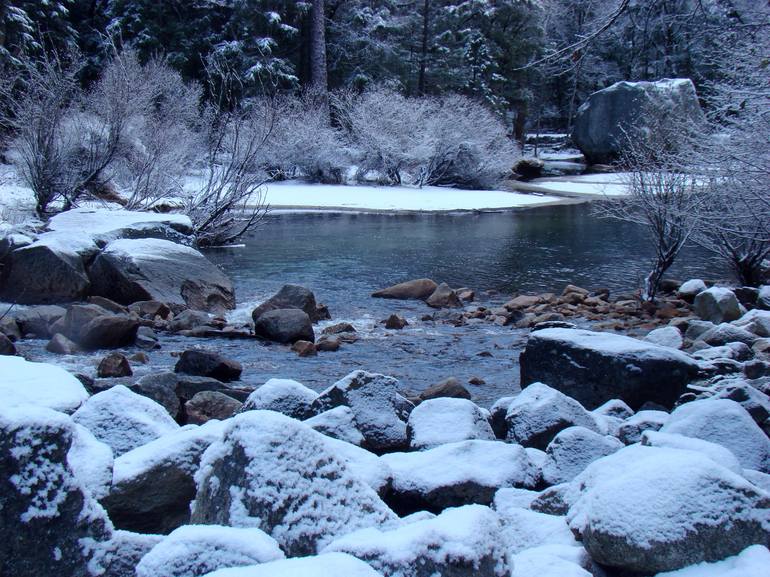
[587, 185]
[298, 195]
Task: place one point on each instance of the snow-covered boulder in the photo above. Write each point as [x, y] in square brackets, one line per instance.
[195, 550]
[630, 431]
[105, 225]
[763, 300]
[753, 561]
[553, 560]
[39, 384]
[605, 122]
[614, 408]
[726, 423]
[572, 450]
[458, 474]
[376, 404]
[91, 461]
[747, 396]
[127, 271]
[651, 509]
[274, 473]
[285, 396]
[666, 337]
[690, 289]
[119, 556]
[524, 529]
[716, 453]
[153, 485]
[461, 542]
[445, 420]
[328, 565]
[540, 412]
[726, 333]
[595, 367]
[50, 270]
[367, 466]
[124, 420]
[730, 351]
[337, 423]
[755, 321]
[717, 305]
[49, 524]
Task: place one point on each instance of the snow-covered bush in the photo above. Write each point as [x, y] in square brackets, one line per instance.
[452, 140]
[304, 143]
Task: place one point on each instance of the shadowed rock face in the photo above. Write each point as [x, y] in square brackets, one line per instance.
[152, 269]
[611, 116]
[292, 297]
[594, 368]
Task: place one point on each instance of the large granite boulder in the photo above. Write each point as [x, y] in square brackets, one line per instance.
[595, 367]
[285, 396]
[127, 271]
[49, 270]
[291, 297]
[49, 525]
[274, 473]
[717, 305]
[645, 510]
[205, 363]
[446, 420]
[605, 122]
[39, 384]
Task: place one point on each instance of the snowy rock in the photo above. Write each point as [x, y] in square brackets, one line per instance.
[204, 363]
[755, 321]
[208, 405]
[419, 289]
[716, 453]
[457, 474]
[124, 420]
[285, 326]
[290, 297]
[49, 525]
[696, 328]
[690, 289]
[552, 560]
[750, 398]
[329, 565]
[274, 473]
[650, 509]
[91, 462]
[127, 271]
[497, 416]
[446, 420]
[614, 408]
[376, 404]
[443, 297]
[725, 333]
[630, 431]
[195, 550]
[718, 305]
[666, 337]
[540, 412]
[572, 450]
[104, 224]
[733, 351]
[596, 367]
[337, 423]
[524, 529]
[285, 396]
[753, 561]
[367, 466]
[611, 116]
[763, 300]
[154, 484]
[725, 423]
[39, 384]
[461, 542]
[119, 556]
[50, 270]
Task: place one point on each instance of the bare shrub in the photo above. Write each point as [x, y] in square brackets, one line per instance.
[426, 140]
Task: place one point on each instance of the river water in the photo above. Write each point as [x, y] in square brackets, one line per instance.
[343, 258]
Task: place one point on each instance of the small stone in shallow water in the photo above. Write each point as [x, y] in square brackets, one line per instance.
[114, 365]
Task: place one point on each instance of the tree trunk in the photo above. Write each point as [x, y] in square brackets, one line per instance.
[318, 76]
[424, 47]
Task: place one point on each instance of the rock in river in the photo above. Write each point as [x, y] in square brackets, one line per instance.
[595, 367]
[419, 289]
